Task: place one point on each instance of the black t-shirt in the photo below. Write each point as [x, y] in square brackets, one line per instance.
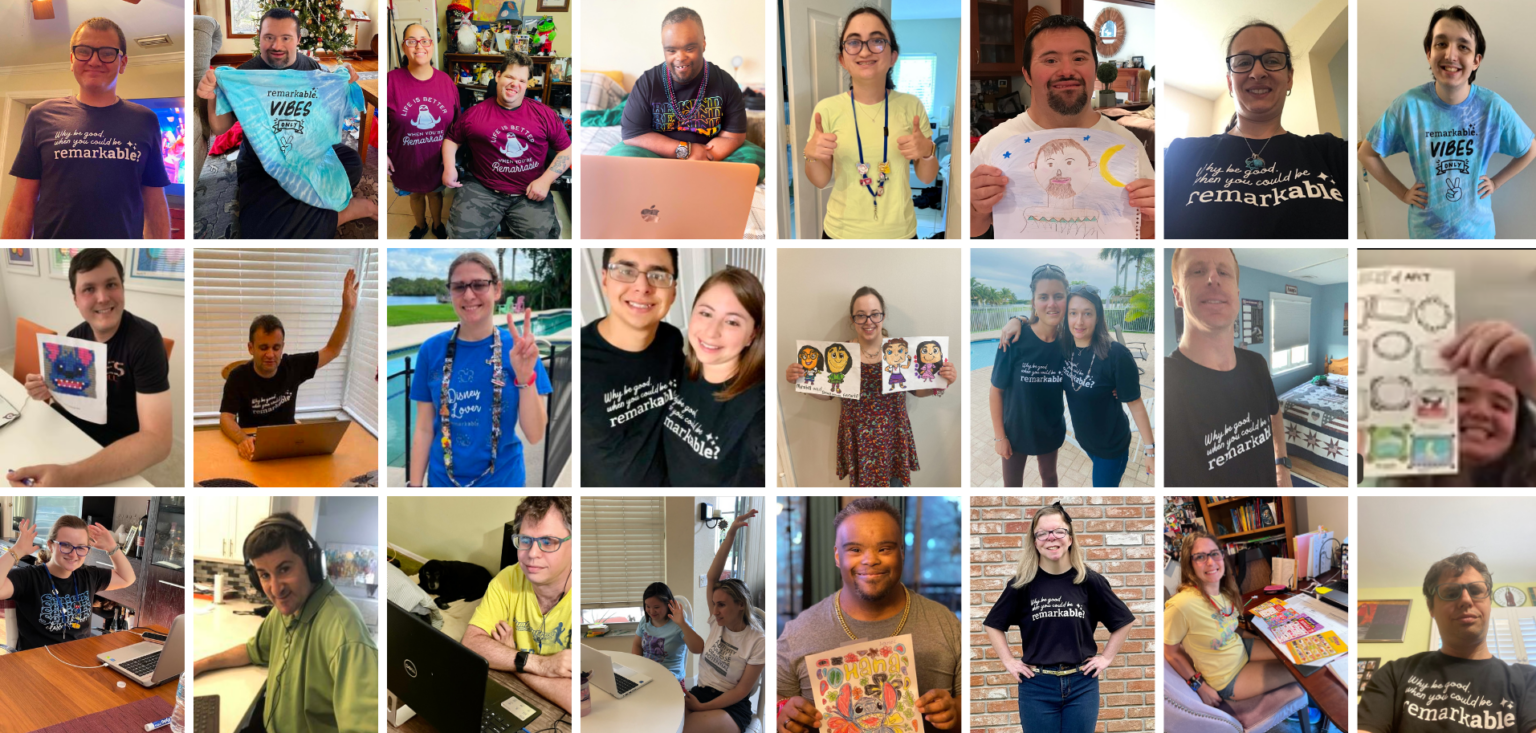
[1218, 429]
[1093, 384]
[1432, 692]
[44, 617]
[1056, 617]
[712, 443]
[136, 364]
[257, 401]
[649, 110]
[1299, 193]
[1029, 374]
[624, 397]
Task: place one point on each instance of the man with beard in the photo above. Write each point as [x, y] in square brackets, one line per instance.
[872, 604]
[1059, 61]
[267, 211]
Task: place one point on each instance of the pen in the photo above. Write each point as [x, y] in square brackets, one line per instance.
[157, 724]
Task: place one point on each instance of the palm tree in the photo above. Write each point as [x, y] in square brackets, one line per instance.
[1118, 255]
[501, 267]
[1138, 257]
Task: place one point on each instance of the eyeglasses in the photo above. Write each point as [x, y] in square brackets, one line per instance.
[1452, 591]
[1058, 533]
[108, 54]
[862, 319]
[1205, 557]
[546, 544]
[479, 286]
[628, 274]
[67, 549]
[1242, 63]
[413, 42]
[853, 46]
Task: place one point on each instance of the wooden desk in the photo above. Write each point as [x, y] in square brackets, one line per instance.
[1329, 692]
[215, 457]
[39, 691]
[371, 96]
[548, 711]
[42, 435]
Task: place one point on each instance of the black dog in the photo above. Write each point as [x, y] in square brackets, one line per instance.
[451, 580]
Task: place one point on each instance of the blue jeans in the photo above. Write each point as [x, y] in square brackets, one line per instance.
[1107, 471]
[1051, 704]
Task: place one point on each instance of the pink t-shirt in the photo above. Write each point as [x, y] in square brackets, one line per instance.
[509, 148]
[420, 113]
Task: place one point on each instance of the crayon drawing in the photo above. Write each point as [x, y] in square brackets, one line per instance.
[867, 687]
[912, 363]
[1066, 184]
[75, 373]
[830, 368]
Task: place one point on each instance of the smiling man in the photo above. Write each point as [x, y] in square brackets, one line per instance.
[321, 659]
[872, 604]
[630, 362]
[1224, 421]
[90, 166]
[1461, 686]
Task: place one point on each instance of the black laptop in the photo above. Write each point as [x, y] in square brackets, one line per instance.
[446, 683]
[1337, 595]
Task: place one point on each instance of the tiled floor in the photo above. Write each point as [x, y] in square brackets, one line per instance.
[399, 220]
[928, 222]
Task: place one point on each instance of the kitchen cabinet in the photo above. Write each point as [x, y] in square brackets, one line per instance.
[223, 523]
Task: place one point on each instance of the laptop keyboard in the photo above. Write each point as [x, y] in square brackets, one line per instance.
[623, 683]
[143, 666]
[492, 720]
[205, 714]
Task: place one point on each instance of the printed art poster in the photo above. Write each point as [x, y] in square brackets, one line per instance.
[867, 687]
[831, 368]
[1407, 410]
[912, 363]
[1066, 184]
[75, 373]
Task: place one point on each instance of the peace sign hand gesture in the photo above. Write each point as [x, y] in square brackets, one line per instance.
[915, 146]
[525, 352]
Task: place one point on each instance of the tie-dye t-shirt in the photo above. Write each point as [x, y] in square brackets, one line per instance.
[1449, 146]
[664, 645]
[509, 148]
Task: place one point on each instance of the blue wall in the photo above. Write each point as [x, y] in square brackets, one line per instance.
[939, 36]
[1327, 316]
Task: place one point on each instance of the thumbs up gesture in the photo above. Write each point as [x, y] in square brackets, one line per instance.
[823, 143]
[915, 146]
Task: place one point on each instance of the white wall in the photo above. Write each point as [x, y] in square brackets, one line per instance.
[628, 38]
[1338, 72]
[922, 298]
[1140, 27]
[1197, 113]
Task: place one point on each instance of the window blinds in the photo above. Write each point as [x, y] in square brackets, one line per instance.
[623, 549]
[362, 350]
[1292, 320]
[915, 75]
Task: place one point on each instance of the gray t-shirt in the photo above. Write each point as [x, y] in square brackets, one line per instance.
[935, 643]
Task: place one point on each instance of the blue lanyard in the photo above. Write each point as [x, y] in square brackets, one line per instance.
[885, 152]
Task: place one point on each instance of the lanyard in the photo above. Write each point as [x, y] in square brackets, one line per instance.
[444, 409]
[74, 619]
[885, 156]
[1223, 614]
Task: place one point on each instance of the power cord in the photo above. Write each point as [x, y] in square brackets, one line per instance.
[67, 664]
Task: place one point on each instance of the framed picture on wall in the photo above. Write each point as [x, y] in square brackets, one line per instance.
[21, 260]
[1382, 621]
[157, 270]
[554, 6]
[1366, 668]
[58, 261]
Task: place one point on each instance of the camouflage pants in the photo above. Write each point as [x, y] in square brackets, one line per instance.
[478, 212]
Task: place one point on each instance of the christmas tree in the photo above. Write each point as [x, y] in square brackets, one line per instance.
[322, 24]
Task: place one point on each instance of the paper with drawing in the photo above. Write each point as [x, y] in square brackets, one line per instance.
[867, 687]
[75, 373]
[912, 363]
[1407, 409]
[1066, 184]
[831, 368]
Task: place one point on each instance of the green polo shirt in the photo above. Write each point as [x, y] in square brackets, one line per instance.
[323, 667]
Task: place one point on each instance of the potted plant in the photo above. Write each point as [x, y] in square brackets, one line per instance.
[1107, 73]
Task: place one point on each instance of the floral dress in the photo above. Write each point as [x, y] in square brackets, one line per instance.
[874, 435]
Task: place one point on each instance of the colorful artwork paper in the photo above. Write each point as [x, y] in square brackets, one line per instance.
[831, 368]
[1407, 408]
[1066, 184]
[911, 363]
[867, 687]
[75, 373]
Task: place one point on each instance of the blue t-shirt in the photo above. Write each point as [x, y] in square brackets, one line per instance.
[1449, 147]
[470, 410]
[664, 645]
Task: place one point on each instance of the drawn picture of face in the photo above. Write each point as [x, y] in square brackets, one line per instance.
[838, 359]
[928, 352]
[895, 352]
[1064, 169]
[810, 358]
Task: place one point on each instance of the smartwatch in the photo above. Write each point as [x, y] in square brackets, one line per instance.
[522, 660]
[1196, 681]
[682, 151]
[1284, 461]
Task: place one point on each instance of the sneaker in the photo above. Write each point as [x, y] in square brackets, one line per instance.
[418, 232]
[440, 231]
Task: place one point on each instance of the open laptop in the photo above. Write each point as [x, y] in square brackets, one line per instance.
[651, 198]
[1337, 595]
[299, 439]
[614, 679]
[149, 663]
[446, 683]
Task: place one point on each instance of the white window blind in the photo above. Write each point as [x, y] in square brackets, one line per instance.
[916, 75]
[1511, 634]
[363, 346]
[623, 548]
[1290, 332]
[302, 287]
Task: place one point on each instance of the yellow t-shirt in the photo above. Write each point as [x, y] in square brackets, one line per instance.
[1209, 638]
[510, 598]
[851, 210]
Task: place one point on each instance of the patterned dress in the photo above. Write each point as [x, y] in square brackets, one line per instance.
[874, 435]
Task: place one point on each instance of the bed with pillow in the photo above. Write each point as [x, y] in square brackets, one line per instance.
[1317, 419]
[601, 91]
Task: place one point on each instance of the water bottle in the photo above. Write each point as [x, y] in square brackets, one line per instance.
[179, 715]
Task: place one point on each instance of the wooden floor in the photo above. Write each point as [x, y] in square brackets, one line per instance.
[1312, 472]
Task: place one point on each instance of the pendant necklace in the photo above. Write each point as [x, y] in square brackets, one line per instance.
[1092, 356]
[1255, 161]
[878, 189]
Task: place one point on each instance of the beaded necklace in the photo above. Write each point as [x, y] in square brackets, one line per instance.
[498, 381]
[694, 120]
[885, 166]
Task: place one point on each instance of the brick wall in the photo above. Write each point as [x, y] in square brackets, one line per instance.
[1119, 536]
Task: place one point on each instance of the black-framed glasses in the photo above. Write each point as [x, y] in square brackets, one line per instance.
[1058, 533]
[413, 42]
[1047, 268]
[629, 273]
[1205, 557]
[1452, 591]
[853, 46]
[479, 286]
[67, 549]
[1242, 63]
[875, 317]
[546, 544]
[108, 54]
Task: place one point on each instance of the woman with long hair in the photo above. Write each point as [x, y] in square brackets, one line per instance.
[732, 659]
[864, 142]
[475, 384]
[1256, 180]
[714, 434]
[1057, 603]
[1200, 630]
[423, 103]
[53, 598]
[1027, 419]
[664, 635]
[1101, 375]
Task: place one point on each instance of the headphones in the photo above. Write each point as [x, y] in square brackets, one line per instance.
[312, 556]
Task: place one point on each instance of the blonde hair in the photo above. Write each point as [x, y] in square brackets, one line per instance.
[68, 521]
[737, 590]
[1029, 559]
[1187, 577]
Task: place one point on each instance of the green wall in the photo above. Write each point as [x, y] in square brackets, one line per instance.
[1416, 638]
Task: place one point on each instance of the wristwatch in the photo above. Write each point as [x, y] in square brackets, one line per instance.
[522, 660]
[1196, 681]
[1284, 461]
[1148, 449]
[682, 151]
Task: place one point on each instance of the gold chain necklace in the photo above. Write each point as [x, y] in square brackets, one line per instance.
[837, 602]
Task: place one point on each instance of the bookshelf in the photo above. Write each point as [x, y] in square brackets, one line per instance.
[1224, 519]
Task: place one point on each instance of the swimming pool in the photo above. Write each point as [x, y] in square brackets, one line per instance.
[982, 353]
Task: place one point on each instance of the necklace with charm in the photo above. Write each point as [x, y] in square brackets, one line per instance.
[1255, 161]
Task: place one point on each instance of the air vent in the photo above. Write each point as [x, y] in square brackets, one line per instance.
[152, 41]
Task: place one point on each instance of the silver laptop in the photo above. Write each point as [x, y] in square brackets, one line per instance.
[650, 198]
[614, 679]
[149, 663]
[299, 439]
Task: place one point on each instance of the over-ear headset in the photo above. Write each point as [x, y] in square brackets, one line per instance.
[312, 556]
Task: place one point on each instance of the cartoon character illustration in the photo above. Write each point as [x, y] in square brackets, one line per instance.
[867, 714]
[811, 361]
[653, 647]
[69, 370]
[839, 361]
[1064, 170]
[929, 358]
[513, 148]
[897, 359]
[424, 119]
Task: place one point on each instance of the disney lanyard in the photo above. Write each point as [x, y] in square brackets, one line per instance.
[696, 117]
[497, 381]
[885, 166]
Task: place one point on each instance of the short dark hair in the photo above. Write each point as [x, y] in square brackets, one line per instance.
[271, 537]
[864, 506]
[533, 508]
[1460, 15]
[268, 323]
[276, 14]
[608, 255]
[1456, 565]
[106, 24]
[1055, 22]
[514, 58]
[680, 15]
[89, 259]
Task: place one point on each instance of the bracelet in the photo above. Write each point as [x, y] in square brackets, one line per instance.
[780, 709]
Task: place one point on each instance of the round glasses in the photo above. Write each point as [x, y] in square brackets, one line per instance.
[853, 46]
[107, 54]
[1242, 63]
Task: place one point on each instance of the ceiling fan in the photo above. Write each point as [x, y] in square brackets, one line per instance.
[43, 9]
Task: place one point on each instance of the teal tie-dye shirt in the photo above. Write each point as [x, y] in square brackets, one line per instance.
[1449, 147]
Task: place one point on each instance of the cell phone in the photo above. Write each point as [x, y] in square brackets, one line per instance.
[152, 636]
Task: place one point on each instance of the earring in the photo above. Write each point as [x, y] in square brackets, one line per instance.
[1287, 92]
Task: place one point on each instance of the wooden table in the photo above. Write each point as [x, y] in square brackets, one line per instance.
[42, 435]
[549, 712]
[1328, 691]
[654, 708]
[371, 96]
[215, 457]
[39, 691]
